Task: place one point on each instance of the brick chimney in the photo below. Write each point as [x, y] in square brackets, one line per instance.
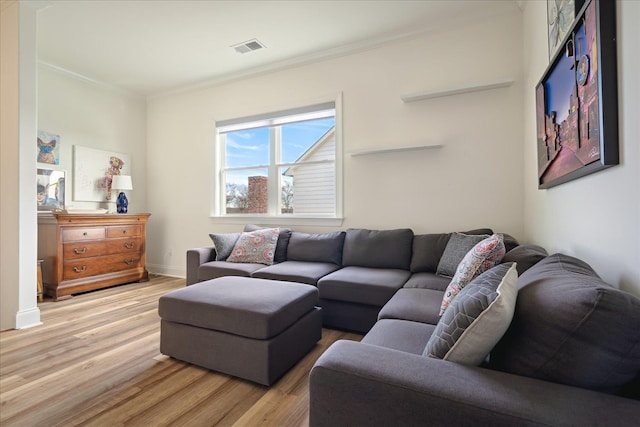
[258, 194]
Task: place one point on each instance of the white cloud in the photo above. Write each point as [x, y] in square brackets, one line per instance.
[233, 144]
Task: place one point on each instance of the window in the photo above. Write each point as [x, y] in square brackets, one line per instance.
[279, 164]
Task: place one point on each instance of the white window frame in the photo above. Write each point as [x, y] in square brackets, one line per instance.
[218, 213]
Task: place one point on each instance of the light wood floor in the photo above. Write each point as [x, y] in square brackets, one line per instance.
[96, 361]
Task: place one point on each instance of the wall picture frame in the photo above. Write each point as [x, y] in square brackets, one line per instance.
[51, 189]
[48, 148]
[93, 171]
[577, 100]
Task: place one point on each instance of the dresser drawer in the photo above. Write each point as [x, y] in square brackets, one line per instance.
[100, 265]
[77, 250]
[123, 231]
[76, 234]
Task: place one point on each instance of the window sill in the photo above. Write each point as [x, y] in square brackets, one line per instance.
[284, 221]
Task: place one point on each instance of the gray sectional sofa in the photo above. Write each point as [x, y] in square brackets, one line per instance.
[571, 355]
[356, 271]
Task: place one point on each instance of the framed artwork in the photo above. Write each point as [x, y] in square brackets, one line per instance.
[51, 188]
[577, 100]
[560, 17]
[93, 172]
[48, 148]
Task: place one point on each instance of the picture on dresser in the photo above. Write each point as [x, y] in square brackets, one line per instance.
[93, 172]
[48, 148]
[50, 189]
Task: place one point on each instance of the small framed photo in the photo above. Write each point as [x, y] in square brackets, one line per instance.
[51, 189]
[48, 148]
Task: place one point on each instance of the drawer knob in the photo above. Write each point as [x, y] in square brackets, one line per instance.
[129, 261]
[84, 234]
[124, 231]
[80, 270]
[80, 251]
[129, 245]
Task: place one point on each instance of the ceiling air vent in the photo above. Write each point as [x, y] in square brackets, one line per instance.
[248, 46]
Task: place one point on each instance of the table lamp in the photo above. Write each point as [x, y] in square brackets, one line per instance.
[122, 182]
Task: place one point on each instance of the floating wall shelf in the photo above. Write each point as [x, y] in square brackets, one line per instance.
[393, 150]
[412, 97]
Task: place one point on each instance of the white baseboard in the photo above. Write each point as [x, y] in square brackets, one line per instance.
[28, 318]
[167, 270]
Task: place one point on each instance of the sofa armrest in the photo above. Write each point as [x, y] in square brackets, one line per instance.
[195, 258]
[359, 384]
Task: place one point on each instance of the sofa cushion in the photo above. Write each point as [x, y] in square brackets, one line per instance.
[478, 232]
[283, 241]
[296, 271]
[477, 318]
[427, 251]
[214, 269]
[525, 256]
[482, 257]
[572, 328]
[224, 243]
[428, 281]
[372, 286]
[325, 247]
[510, 242]
[256, 247]
[457, 247]
[414, 304]
[378, 248]
[401, 335]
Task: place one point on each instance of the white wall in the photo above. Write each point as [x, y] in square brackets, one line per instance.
[597, 217]
[18, 308]
[97, 116]
[475, 180]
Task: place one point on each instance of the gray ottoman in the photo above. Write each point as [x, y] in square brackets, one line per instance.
[255, 329]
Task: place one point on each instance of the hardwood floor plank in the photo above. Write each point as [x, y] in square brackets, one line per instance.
[150, 372]
[96, 361]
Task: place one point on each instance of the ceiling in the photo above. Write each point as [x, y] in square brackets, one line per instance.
[150, 47]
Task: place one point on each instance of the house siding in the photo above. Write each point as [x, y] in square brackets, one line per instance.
[314, 186]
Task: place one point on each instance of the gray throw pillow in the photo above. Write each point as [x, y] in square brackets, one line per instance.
[477, 318]
[224, 244]
[428, 249]
[457, 247]
[325, 247]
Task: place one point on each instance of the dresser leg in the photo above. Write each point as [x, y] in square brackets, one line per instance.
[40, 289]
[145, 276]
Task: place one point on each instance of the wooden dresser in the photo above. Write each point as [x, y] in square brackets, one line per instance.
[85, 252]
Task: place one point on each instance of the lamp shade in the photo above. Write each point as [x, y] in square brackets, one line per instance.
[122, 182]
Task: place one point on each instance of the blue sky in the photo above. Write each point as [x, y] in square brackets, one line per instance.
[562, 80]
[251, 147]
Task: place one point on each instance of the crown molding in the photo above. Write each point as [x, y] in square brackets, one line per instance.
[77, 76]
[294, 62]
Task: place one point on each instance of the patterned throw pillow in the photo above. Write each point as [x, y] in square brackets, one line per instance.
[224, 244]
[477, 319]
[256, 246]
[482, 257]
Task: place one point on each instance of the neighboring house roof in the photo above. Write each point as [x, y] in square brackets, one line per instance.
[311, 150]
